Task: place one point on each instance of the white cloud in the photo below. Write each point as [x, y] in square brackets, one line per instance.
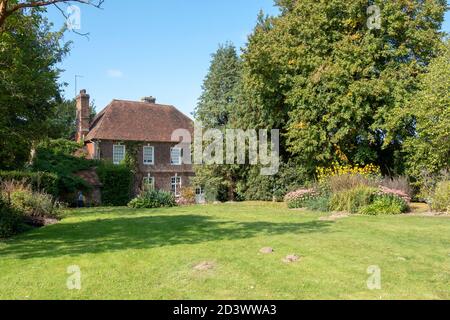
[114, 73]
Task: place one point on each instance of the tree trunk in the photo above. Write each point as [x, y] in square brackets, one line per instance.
[3, 14]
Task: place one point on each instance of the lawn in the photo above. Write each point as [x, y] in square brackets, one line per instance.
[151, 254]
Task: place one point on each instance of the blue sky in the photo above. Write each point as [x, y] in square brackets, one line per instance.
[162, 48]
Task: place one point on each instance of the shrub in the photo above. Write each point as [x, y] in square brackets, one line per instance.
[321, 203]
[395, 193]
[10, 220]
[39, 181]
[56, 156]
[117, 182]
[187, 196]
[32, 204]
[352, 200]
[441, 198]
[385, 205]
[338, 183]
[153, 199]
[298, 198]
[400, 185]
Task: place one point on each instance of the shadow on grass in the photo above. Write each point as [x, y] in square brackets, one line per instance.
[143, 233]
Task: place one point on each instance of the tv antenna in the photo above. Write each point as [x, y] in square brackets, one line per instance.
[77, 76]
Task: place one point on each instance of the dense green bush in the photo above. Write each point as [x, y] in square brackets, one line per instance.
[299, 198]
[10, 220]
[39, 181]
[352, 200]
[117, 181]
[153, 199]
[385, 205]
[255, 187]
[441, 199]
[35, 204]
[28, 202]
[56, 156]
[321, 203]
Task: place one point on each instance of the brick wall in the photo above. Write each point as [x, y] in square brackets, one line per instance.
[162, 170]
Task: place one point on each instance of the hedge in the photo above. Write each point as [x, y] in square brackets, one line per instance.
[39, 181]
[117, 181]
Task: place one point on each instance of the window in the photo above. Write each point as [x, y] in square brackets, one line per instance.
[149, 156]
[176, 185]
[175, 156]
[199, 191]
[118, 153]
[148, 183]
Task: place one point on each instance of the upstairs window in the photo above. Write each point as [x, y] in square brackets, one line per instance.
[175, 156]
[149, 156]
[118, 153]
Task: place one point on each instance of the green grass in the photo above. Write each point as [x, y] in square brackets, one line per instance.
[150, 254]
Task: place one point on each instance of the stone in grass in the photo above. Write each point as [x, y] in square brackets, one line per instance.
[291, 258]
[204, 266]
[266, 250]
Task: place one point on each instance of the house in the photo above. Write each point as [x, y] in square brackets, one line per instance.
[148, 127]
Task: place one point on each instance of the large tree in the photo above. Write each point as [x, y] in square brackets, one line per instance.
[29, 54]
[215, 110]
[429, 149]
[333, 85]
[62, 123]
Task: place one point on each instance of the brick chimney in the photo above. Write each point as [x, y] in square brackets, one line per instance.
[149, 99]
[83, 115]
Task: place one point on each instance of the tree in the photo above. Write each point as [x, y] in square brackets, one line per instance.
[215, 108]
[9, 7]
[333, 85]
[29, 54]
[62, 123]
[429, 149]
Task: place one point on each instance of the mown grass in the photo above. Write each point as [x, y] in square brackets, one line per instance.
[150, 254]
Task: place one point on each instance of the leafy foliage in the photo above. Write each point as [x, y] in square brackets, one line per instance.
[39, 181]
[441, 197]
[215, 110]
[32, 204]
[385, 205]
[62, 122]
[10, 220]
[117, 183]
[56, 156]
[187, 196]
[29, 55]
[352, 200]
[335, 87]
[153, 199]
[429, 149]
[299, 198]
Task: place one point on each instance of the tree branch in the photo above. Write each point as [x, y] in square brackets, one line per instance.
[5, 12]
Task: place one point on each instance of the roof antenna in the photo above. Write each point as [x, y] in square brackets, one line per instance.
[76, 84]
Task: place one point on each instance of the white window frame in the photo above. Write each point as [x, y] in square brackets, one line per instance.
[116, 146]
[146, 161]
[176, 185]
[149, 180]
[180, 157]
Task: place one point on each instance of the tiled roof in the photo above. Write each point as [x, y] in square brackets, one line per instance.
[138, 121]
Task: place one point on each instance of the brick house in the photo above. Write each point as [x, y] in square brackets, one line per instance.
[149, 126]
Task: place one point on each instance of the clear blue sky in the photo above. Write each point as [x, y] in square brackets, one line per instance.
[162, 48]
